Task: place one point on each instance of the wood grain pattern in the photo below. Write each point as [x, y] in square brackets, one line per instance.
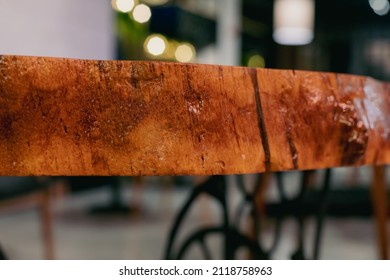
[79, 117]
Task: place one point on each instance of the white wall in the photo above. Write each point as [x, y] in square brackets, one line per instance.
[64, 28]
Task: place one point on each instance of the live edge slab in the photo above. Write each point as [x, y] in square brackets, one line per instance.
[84, 117]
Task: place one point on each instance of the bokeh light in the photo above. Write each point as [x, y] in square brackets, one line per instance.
[185, 52]
[123, 6]
[142, 13]
[155, 44]
[380, 7]
[256, 61]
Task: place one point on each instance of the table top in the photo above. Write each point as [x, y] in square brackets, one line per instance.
[85, 117]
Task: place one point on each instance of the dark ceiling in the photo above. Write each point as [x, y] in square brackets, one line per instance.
[334, 13]
[340, 27]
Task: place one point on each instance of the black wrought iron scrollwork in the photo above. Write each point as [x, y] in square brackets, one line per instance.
[249, 199]
[215, 187]
[233, 237]
[320, 212]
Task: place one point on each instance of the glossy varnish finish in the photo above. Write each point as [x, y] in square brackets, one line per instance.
[79, 117]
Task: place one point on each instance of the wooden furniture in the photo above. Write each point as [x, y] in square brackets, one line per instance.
[79, 117]
[23, 192]
[85, 117]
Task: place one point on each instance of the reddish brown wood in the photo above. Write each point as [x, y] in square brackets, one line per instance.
[79, 117]
[380, 206]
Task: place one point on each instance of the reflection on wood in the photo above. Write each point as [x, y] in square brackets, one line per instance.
[78, 117]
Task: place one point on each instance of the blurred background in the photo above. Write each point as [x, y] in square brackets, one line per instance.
[129, 218]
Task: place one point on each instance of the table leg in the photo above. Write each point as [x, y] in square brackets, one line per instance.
[230, 230]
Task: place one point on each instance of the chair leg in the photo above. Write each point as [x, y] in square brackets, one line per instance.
[380, 205]
[46, 222]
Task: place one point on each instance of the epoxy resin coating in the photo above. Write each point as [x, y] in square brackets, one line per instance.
[79, 117]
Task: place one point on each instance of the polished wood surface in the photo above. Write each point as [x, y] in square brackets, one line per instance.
[80, 117]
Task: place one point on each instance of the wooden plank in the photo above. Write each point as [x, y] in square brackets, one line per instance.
[80, 117]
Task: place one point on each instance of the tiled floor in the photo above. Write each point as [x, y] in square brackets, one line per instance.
[81, 235]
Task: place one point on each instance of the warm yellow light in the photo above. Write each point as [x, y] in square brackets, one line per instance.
[256, 61]
[123, 6]
[142, 13]
[184, 53]
[155, 45]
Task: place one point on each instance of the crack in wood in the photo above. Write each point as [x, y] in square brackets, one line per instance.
[260, 117]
